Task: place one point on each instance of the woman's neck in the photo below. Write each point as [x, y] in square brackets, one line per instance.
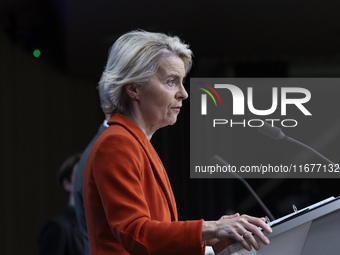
[139, 121]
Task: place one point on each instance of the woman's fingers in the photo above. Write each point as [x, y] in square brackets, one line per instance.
[243, 229]
[257, 223]
[260, 222]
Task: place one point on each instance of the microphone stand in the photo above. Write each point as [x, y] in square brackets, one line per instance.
[277, 134]
[308, 148]
[251, 190]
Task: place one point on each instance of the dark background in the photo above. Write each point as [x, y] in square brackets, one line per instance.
[50, 107]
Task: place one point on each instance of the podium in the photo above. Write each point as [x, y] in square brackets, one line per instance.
[309, 231]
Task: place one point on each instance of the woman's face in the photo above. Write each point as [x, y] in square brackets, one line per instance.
[160, 101]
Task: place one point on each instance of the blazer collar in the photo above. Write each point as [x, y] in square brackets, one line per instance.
[129, 125]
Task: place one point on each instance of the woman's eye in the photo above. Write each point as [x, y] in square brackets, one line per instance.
[171, 82]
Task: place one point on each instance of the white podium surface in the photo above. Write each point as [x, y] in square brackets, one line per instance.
[312, 230]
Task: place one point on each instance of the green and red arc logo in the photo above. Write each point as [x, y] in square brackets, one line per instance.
[209, 93]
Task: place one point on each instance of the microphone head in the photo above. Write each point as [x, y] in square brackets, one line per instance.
[271, 131]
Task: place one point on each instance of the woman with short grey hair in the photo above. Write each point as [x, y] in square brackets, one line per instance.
[129, 204]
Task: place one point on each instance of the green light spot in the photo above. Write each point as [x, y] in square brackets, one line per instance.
[36, 53]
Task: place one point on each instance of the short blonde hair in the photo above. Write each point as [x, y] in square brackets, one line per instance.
[134, 58]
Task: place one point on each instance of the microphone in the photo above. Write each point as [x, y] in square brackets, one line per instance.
[221, 161]
[277, 134]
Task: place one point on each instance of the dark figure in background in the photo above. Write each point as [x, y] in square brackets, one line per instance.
[60, 235]
[78, 186]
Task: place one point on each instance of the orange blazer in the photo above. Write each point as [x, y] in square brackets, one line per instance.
[129, 204]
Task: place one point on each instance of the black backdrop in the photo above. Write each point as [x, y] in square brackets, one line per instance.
[49, 106]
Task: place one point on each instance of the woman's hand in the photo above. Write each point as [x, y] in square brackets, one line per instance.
[240, 228]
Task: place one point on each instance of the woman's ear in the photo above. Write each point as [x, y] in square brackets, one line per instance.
[131, 90]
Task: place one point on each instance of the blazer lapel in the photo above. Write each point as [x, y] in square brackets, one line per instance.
[162, 177]
[156, 163]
